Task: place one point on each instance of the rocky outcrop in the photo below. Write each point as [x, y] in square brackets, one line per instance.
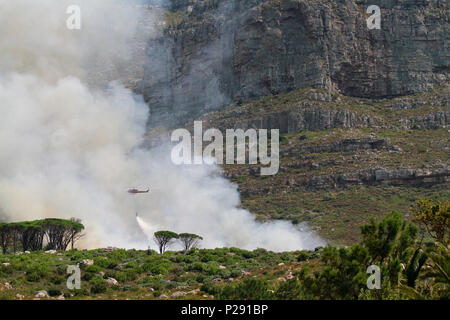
[87, 262]
[42, 294]
[377, 176]
[309, 119]
[432, 121]
[345, 145]
[298, 119]
[112, 282]
[398, 176]
[217, 52]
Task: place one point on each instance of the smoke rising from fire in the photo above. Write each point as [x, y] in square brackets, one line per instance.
[70, 147]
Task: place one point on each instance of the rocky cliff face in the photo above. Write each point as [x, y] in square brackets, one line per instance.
[216, 52]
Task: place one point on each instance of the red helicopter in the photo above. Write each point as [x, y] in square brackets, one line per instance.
[136, 191]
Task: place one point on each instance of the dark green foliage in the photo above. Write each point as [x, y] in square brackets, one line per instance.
[287, 257]
[343, 276]
[197, 266]
[212, 268]
[184, 258]
[189, 240]
[57, 280]
[249, 289]
[36, 272]
[156, 265]
[120, 254]
[391, 237]
[248, 254]
[303, 256]
[54, 292]
[87, 276]
[93, 269]
[98, 285]
[289, 290]
[385, 244]
[210, 288]
[413, 268]
[33, 277]
[81, 292]
[103, 262]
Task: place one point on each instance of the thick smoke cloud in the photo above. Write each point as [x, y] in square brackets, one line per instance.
[71, 148]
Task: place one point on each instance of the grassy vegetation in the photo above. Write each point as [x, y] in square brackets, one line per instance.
[173, 19]
[141, 274]
[412, 268]
[383, 109]
[337, 214]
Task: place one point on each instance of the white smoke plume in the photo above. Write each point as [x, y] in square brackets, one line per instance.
[69, 148]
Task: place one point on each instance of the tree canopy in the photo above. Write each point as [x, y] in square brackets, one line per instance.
[163, 239]
[189, 240]
[55, 234]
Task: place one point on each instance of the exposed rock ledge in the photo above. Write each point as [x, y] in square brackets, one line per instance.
[401, 176]
[344, 145]
[300, 119]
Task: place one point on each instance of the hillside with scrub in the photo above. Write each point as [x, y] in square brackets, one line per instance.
[413, 259]
[343, 159]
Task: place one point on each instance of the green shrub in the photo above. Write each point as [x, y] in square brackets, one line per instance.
[249, 289]
[33, 277]
[54, 292]
[260, 252]
[158, 285]
[303, 256]
[87, 276]
[289, 290]
[131, 265]
[207, 257]
[5, 270]
[61, 270]
[56, 280]
[146, 280]
[81, 292]
[93, 269]
[192, 282]
[210, 288]
[235, 272]
[198, 266]
[98, 285]
[169, 285]
[200, 278]
[102, 262]
[120, 254]
[212, 268]
[35, 273]
[131, 274]
[109, 274]
[249, 254]
[120, 276]
[225, 274]
[286, 257]
[184, 258]
[157, 265]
